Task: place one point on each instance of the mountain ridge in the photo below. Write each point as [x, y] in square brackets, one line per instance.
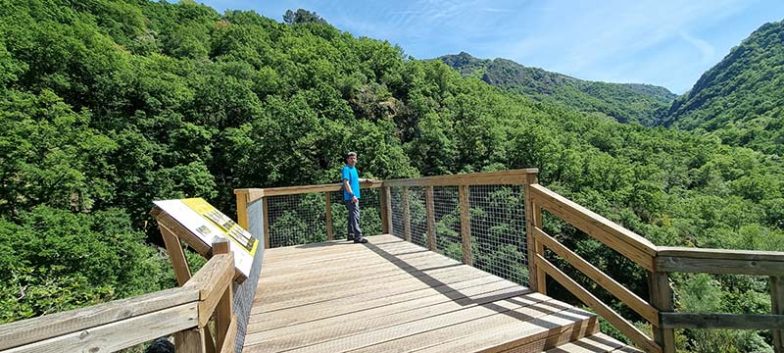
[624, 102]
[740, 98]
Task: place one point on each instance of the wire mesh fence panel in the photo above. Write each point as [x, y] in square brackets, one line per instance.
[339, 215]
[370, 204]
[498, 231]
[418, 211]
[447, 216]
[369, 216]
[296, 219]
[398, 224]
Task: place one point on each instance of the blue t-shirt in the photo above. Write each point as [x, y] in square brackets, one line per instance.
[350, 173]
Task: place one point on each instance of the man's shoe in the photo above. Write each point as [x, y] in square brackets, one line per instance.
[350, 238]
[360, 241]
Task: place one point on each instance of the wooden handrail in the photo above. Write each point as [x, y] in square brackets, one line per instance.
[506, 177]
[254, 194]
[120, 324]
[30, 331]
[620, 239]
[211, 282]
[719, 261]
[721, 320]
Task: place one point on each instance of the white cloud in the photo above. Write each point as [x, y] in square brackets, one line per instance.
[707, 50]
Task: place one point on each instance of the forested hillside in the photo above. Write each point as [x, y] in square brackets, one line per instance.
[626, 103]
[740, 100]
[109, 105]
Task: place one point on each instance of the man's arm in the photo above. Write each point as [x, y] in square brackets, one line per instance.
[347, 187]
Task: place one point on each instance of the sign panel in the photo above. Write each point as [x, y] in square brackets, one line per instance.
[209, 224]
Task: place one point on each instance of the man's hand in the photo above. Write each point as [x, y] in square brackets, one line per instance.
[354, 199]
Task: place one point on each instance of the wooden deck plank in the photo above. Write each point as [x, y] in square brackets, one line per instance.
[403, 298]
[341, 306]
[369, 338]
[274, 266]
[424, 279]
[592, 344]
[531, 332]
[390, 315]
[316, 252]
[329, 282]
[299, 250]
[397, 282]
[445, 334]
[382, 288]
[343, 266]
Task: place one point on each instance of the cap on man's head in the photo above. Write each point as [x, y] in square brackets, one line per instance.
[351, 154]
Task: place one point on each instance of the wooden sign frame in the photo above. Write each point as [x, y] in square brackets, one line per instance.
[173, 232]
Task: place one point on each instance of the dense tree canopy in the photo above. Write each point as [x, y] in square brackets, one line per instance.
[108, 105]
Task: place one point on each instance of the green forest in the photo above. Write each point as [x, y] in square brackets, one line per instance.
[109, 105]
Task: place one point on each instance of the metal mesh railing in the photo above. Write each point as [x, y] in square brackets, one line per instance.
[495, 212]
[398, 223]
[447, 214]
[497, 225]
[498, 231]
[296, 219]
[416, 201]
[301, 218]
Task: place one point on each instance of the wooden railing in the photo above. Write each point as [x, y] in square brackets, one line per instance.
[630, 245]
[719, 261]
[246, 197]
[109, 327]
[520, 177]
[658, 262]
[464, 182]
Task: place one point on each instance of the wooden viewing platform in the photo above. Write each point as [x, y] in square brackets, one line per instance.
[393, 296]
[404, 291]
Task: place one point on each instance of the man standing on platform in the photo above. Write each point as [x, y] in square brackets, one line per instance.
[351, 196]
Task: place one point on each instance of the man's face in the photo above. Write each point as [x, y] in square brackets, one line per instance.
[352, 160]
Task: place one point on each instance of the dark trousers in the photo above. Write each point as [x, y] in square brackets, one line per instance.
[354, 232]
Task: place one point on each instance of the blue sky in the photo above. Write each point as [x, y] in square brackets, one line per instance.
[663, 42]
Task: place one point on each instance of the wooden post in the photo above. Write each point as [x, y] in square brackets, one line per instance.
[181, 270]
[777, 297]
[200, 339]
[220, 246]
[328, 215]
[242, 209]
[661, 299]
[223, 311]
[265, 220]
[541, 276]
[190, 341]
[406, 215]
[386, 211]
[465, 225]
[530, 242]
[431, 219]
